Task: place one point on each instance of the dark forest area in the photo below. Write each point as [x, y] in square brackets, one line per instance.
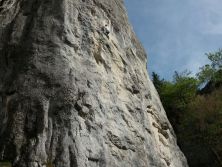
[193, 104]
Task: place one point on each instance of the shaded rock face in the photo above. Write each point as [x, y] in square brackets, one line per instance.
[74, 89]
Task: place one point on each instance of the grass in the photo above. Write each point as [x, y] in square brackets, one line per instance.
[5, 164]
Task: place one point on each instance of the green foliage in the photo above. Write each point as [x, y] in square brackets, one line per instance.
[5, 164]
[176, 95]
[206, 74]
[181, 76]
[196, 118]
[203, 119]
[216, 59]
[157, 81]
[211, 72]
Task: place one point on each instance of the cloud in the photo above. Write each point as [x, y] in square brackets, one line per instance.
[175, 33]
[214, 29]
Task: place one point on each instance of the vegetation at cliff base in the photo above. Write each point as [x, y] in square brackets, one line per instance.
[194, 107]
[5, 164]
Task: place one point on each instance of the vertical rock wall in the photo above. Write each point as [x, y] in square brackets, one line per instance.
[74, 89]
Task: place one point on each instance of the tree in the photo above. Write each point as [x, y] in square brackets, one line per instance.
[176, 95]
[216, 59]
[206, 74]
[184, 89]
[211, 72]
[158, 83]
[181, 76]
[196, 115]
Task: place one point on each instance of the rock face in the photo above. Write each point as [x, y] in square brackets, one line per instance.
[74, 89]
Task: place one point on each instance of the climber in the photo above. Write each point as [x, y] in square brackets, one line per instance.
[106, 29]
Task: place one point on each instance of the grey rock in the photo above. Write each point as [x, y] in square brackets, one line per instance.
[74, 96]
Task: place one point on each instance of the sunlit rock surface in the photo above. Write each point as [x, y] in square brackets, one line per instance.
[74, 89]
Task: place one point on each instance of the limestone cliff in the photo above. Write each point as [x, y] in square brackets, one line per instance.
[74, 89]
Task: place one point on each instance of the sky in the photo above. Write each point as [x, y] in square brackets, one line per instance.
[176, 34]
